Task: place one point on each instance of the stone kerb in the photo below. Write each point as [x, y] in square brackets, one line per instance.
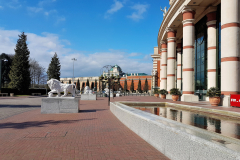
[53, 105]
[88, 97]
[175, 140]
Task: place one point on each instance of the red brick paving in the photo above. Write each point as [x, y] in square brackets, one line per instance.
[94, 133]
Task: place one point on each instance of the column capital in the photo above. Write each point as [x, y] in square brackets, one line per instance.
[163, 42]
[179, 50]
[171, 39]
[170, 29]
[187, 9]
[211, 23]
[188, 21]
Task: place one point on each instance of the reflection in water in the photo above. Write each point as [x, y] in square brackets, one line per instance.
[219, 125]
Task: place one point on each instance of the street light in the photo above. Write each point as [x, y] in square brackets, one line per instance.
[108, 68]
[74, 59]
[5, 60]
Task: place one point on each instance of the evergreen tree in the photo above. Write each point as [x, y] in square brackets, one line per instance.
[19, 73]
[125, 85]
[132, 86]
[92, 85]
[83, 86]
[146, 86]
[95, 85]
[54, 68]
[78, 85]
[6, 64]
[139, 86]
[87, 84]
[69, 82]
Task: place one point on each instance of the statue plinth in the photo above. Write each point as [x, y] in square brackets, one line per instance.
[88, 97]
[53, 105]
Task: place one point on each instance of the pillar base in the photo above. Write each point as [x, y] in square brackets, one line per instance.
[168, 96]
[207, 99]
[189, 98]
[226, 101]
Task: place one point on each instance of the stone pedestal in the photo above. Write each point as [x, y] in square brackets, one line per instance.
[189, 98]
[88, 97]
[168, 96]
[53, 105]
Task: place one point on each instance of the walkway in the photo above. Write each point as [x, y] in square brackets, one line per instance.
[94, 133]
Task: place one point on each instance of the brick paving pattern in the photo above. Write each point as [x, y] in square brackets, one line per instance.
[94, 133]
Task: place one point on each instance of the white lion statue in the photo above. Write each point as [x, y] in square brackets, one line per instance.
[57, 87]
[87, 90]
[107, 91]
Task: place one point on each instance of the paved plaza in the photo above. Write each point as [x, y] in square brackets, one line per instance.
[94, 133]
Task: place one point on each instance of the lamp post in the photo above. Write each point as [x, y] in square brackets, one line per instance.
[74, 59]
[108, 68]
[5, 60]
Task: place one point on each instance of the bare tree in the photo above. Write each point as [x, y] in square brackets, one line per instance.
[37, 73]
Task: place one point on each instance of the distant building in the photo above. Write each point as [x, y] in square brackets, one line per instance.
[114, 71]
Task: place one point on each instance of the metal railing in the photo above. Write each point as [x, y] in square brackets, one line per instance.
[99, 94]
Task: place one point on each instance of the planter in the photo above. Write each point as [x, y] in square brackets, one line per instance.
[175, 97]
[214, 101]
[156, 95]
[163, 96]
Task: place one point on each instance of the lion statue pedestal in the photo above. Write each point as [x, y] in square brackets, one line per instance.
[60, 104]
[88, 95]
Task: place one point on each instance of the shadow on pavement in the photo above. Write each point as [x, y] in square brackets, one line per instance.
[19, 106]
[24, 125]
[91, 110]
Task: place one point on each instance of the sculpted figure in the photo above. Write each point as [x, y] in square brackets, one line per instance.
[87, 90]
[164, 10]
[107, 91]
[57, 87]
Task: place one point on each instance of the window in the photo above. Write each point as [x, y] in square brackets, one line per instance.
[201, 55]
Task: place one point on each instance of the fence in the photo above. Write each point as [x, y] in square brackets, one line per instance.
[125, 94]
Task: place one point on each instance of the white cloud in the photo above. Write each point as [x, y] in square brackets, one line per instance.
[60, 19]
[42, 48]
[139, 10]
[47, 13]
[114, 8]
[14, 4]
[45, 2]
[34, 9]
[134, 54]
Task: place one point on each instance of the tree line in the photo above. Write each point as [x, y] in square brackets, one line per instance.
[20, 72]
[139, 89]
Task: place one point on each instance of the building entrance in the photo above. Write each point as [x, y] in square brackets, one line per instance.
[201, 58]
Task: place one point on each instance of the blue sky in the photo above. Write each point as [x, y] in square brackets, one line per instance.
[95, 32]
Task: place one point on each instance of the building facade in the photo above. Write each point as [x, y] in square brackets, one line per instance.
[198, 48]
[116, 71]
[83, 81]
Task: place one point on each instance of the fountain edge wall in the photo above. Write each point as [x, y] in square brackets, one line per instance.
[172, 142]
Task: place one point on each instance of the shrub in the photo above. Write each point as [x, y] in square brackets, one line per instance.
[175, 91]
[163, 92]
[213, 92]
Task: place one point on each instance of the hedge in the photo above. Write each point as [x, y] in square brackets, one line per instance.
[29, 92]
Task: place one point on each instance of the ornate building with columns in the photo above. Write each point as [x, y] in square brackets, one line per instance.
[198, 48]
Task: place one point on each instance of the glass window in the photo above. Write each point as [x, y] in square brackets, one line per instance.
[200, 54]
